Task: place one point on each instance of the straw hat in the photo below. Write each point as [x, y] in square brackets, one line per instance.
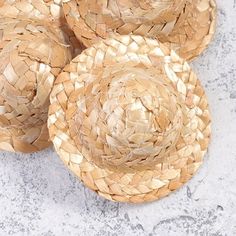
[187, 25]
[129, 117]
[31, 56]
[45, 10]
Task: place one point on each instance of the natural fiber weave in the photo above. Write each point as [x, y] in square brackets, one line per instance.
[34, 9]
[130, 119]
[188, 25]
[32, 55]
[44, 10]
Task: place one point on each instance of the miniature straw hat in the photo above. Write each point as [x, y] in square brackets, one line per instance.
[130, 118]
[31, 56]
[187, 25]
[44, 10]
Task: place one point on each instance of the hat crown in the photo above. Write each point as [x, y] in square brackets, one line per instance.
[137, 119]
[144, 11]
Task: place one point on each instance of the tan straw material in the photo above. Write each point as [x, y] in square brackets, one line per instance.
[187, 25]
[32, 55]
[129, 117]
[34, 9]
[45, 10]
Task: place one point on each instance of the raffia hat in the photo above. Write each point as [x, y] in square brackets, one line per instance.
[130, 118]
[186, 25]
[31, 56]
[49, 11]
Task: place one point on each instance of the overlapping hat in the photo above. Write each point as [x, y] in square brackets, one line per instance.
[186, 25]
[35, 44]
[43, 10]
[32, 54]
[129, 117]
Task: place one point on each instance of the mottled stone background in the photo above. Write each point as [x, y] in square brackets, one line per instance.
[38, 195]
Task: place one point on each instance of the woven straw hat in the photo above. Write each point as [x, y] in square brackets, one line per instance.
[44, 10]
[32, 55]
[129, 117]
[187, 25]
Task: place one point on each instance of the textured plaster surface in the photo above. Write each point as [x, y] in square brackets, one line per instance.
[38, 195]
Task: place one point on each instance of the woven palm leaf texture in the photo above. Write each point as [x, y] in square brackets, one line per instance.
[129, 117]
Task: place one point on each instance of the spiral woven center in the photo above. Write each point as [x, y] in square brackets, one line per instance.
[128, 119]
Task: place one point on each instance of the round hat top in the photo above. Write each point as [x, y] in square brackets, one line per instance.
[144, 11]
[130, 118]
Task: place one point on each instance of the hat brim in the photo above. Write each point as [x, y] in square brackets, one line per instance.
[189, 35]
[25, 140]
[138, 185]
[193, 30]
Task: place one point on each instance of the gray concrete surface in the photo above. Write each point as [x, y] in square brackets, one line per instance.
[38, 196]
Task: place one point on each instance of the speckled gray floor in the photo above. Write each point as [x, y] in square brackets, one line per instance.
[38, 196]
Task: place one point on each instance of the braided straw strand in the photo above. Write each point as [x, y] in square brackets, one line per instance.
[129, 117]
[187, 26]
[32, 55]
